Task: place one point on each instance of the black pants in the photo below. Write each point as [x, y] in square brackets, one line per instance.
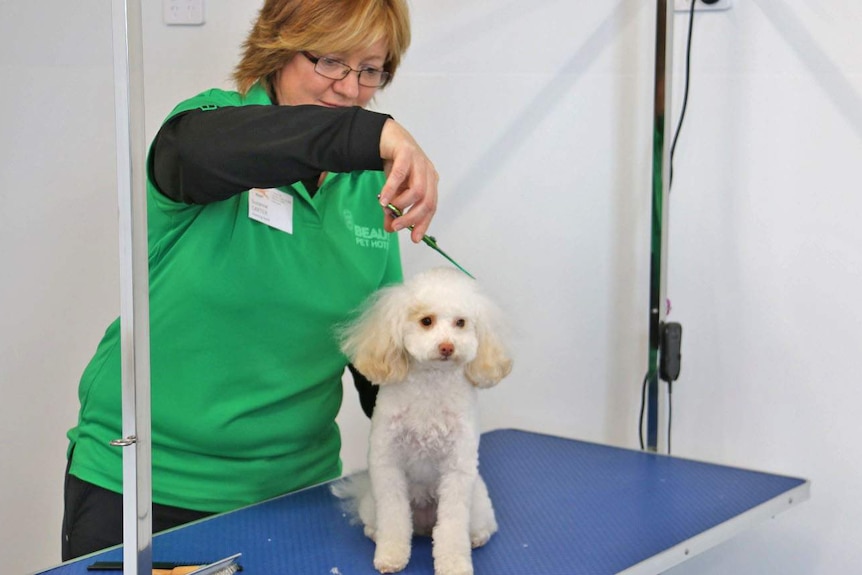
[93, 517]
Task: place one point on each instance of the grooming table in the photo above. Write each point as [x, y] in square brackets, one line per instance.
[564, 507]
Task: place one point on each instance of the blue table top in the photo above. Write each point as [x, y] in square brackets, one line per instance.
[564, 507]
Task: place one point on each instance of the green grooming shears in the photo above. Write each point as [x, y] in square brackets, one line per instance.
[429, 240]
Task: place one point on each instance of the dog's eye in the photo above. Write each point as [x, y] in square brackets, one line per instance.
[460, 322]
[427, 321]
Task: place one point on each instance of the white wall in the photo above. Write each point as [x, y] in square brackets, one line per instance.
[538, 115]
[58, 251]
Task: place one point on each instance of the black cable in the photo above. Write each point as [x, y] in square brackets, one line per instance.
[670, 183]
[669, 413]
[685, 92]
[643, 407]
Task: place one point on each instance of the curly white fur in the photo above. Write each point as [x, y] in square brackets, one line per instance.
[429, 344]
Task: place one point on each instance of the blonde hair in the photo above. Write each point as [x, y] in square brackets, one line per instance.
[286, 27]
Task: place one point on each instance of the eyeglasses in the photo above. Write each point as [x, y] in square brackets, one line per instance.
[335, 70]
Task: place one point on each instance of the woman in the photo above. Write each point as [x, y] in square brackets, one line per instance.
[265, 230]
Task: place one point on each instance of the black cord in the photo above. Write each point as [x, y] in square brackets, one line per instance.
[643, 407]
[685, 92]
[669, 413]
[670, 183]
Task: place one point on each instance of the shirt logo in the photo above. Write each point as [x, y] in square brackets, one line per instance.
[366, 237]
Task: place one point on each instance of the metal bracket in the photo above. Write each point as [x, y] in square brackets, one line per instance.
[130, 440]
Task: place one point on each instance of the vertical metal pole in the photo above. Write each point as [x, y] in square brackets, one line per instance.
[656, 419]
[134, 287]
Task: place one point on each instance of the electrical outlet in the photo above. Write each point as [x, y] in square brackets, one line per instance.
[701, 6]
[183, 12]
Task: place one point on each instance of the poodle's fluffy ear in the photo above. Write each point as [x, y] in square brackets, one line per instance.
[373, 341]
[492, 362]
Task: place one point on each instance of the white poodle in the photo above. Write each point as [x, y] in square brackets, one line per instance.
[429, 344]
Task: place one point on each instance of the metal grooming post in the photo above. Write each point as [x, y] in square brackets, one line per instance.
[656, 407]
[134, 287]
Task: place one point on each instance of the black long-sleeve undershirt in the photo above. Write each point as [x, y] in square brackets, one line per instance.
[205, 156]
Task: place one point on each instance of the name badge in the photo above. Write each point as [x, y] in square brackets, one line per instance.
[271, 207]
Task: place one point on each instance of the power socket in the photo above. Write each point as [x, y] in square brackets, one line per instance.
[183, 12]
[701, 6]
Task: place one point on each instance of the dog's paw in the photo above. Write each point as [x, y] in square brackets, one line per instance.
[480, 535]
[479, 539]
[391, 557]
[453, 565]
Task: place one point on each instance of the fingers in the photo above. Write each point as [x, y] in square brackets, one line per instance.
[418, 218]
[411, 182]
[415, 197]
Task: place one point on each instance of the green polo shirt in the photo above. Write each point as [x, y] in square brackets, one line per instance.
[245, 367]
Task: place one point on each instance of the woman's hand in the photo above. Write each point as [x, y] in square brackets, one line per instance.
[411, 181]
